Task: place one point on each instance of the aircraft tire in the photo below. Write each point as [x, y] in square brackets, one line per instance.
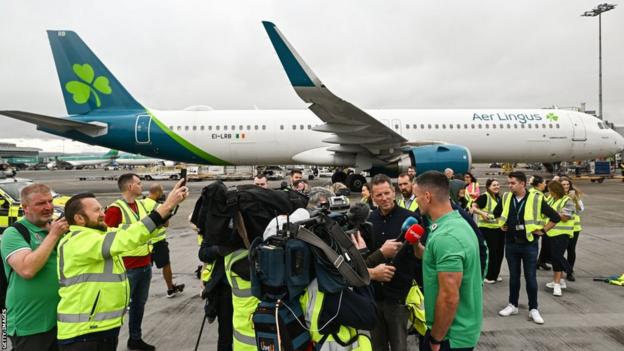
[339, 177]
[355, 182]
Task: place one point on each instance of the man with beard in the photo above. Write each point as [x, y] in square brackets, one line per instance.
[94, 287]
[408, 200]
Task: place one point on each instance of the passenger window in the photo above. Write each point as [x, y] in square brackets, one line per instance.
[450, 126]
[194, 127]
[407, 126]
[294, 127]
[171, 127]
[422, 126]
[522, 125]
[248, 127]
[263, 127]
[557, 125]
[437, 126]
[515, 126]
[233, 127]
[458, 126]
[443, 126]
[240, 127]
[529, 126]
[201, 127]
[256, 127]
[309, 127]
[479, 125]
[543, 126]
[218, 127]
[281, 127]
[396, 126]
[472, 126]
[301, 127]
[415, 126]
[465, 126]
[487, 126]
[493, 126]
[209, 127]
[428, 126]
[508, 126]
[186, 128]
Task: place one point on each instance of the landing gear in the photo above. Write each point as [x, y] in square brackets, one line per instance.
[339, 177]
[355, 182]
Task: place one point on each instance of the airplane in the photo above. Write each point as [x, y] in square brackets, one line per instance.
[81, 161]
[333, 132]
[127, 159]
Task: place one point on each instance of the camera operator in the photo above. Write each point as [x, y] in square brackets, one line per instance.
[392, 313]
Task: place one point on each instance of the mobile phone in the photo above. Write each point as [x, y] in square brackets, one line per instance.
[183, 176]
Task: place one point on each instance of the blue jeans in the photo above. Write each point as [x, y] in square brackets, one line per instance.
[526, 255]
[139, 279]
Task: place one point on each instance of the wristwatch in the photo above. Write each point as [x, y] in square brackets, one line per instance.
[434, 341]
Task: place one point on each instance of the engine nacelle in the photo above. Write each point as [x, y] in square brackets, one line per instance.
[430, 158]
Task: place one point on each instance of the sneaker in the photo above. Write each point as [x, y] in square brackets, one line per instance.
[134, 344]
[557, 290]
[179, 288]
[508, 311]
[487, 281]
[499, 279]
[551, 285]
[534, 316]
[571, 277]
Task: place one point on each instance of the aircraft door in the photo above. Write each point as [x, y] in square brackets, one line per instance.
[578, 126]
[142, 129]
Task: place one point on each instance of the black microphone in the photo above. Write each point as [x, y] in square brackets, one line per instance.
[358, 214]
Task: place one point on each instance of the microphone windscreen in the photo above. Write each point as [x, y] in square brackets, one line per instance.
[408, 222]
[358, 213]
[414, 233]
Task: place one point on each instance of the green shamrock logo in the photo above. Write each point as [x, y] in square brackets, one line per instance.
[552, 117]
[81, 91]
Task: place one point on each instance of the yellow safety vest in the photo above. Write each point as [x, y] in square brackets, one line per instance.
[577, 223]
[128, 216]
[243, 302]
[94, 289]
[532, 212]
[151, 205]
[490, 222]
[312, 303]
[415, 302]
[563, 227]
[474, 190]
[413, 205]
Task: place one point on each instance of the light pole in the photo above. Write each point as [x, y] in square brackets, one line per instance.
[597, 11]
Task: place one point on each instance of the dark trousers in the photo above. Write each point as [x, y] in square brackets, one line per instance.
[495, 240]
[558, 246]
[224, 316]
[572, 250]
[139, 279]
[544, 255]
[518, 256]
[425, 345]
[391, 327]
[107, 344]
[40, 342]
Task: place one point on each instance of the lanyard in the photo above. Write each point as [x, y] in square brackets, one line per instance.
[135, 214]
[518, 209]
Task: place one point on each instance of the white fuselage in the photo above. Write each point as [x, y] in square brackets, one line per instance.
[276, 136]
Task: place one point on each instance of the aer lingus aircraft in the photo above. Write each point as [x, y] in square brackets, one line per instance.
[331, 132]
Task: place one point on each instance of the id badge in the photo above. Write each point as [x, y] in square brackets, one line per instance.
[519, 227]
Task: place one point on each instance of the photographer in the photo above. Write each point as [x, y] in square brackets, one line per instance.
[387, 220]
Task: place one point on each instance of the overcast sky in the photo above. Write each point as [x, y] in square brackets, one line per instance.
[375, 54]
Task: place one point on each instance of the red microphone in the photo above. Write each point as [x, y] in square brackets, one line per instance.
[414, 233]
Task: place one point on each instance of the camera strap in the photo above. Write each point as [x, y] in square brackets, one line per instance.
[356, 276]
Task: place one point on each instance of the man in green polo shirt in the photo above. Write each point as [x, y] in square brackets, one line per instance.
[451, 270]
[32, 294]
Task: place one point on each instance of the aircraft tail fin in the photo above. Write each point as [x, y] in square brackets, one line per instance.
[299, 74]
[86, 83]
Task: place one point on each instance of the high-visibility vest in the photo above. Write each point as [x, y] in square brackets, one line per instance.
[471, 193]
[161, 233]
[243, 303]
[562, 227]
[206, 272]
[490, 205]
[94, 289]
[412, 207]
[312, 303]
[532, 212]
[577, 223]
[415, 303]
[128, 216]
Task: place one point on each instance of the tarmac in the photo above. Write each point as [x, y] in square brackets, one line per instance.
[589, 315]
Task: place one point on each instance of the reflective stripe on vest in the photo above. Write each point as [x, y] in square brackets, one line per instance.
[532, 212]
[312, 303]
[490, 205]
[243, 303]
[412, 207]
[562, 227]
[161, 233]
[86, 317]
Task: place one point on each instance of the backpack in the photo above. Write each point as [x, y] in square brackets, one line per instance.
[4, 280]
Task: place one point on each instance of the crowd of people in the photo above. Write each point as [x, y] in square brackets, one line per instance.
[72, 280]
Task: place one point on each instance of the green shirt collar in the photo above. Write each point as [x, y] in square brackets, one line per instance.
[31, 227]
[449, 216]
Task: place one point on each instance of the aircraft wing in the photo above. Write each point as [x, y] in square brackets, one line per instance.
[352, 127]
[58, 124]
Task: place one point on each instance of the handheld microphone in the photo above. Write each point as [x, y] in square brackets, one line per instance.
[407, 223]
[411, 236]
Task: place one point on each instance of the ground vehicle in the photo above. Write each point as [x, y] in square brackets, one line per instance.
[10, 206]
[274, 172]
